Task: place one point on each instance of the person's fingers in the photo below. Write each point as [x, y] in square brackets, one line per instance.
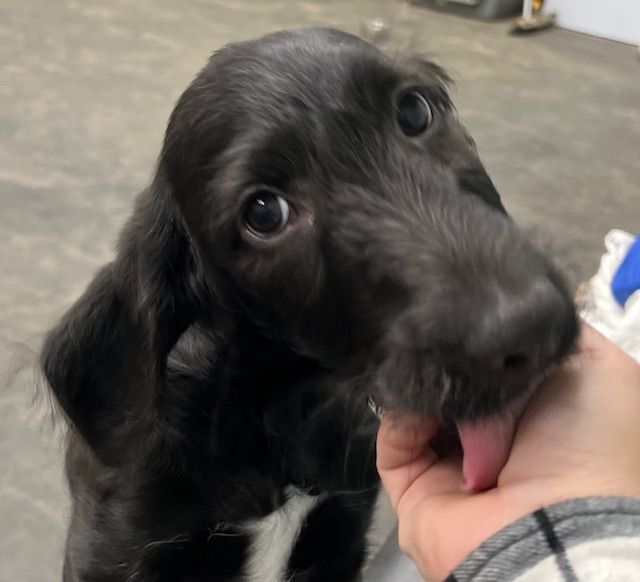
[444, 477]
[403, 452]
[400, 436]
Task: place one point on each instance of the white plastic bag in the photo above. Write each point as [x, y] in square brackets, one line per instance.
[599, 307]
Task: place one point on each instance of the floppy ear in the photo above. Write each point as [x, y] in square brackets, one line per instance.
[105, 361]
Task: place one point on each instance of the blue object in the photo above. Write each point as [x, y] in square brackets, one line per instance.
[626, 281]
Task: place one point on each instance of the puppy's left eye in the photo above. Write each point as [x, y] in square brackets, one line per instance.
[266, 214]
[413, 113]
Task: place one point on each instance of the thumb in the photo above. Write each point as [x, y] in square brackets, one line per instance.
[403, 452]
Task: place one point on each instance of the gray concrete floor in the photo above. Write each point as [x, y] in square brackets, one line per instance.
[87, 86]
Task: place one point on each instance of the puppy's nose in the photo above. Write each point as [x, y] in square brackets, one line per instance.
[519, 330]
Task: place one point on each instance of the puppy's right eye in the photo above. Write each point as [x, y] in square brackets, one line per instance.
[266, 214]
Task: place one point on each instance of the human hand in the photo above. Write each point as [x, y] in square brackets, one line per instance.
[579, 436]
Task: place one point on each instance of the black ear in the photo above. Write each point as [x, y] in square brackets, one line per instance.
[105, 361]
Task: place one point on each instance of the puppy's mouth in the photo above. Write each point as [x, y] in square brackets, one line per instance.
[485, 442]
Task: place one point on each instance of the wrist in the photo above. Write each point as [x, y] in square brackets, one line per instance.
[529, 496]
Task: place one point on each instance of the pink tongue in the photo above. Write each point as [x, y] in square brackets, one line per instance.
[486, 444]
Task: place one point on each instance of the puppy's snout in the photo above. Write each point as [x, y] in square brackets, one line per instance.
[519, 331]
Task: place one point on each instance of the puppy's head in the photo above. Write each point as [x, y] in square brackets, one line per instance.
[332, 193]
[325, 197]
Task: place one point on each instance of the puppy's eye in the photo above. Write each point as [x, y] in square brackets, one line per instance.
[413, 113]
[266, 214]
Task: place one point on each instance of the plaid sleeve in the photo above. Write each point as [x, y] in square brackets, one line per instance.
[582, 540]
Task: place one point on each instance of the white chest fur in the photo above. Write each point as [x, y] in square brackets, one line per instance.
[273, 537]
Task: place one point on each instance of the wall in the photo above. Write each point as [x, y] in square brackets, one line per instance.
[615, 19]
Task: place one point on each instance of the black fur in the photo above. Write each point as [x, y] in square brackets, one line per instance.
[204, 371]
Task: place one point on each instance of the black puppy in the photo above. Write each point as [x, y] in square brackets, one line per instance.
[319, 230]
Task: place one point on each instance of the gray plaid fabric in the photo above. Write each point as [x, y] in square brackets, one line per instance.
[596, 539]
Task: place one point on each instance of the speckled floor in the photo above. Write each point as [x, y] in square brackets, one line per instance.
[87, 86]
